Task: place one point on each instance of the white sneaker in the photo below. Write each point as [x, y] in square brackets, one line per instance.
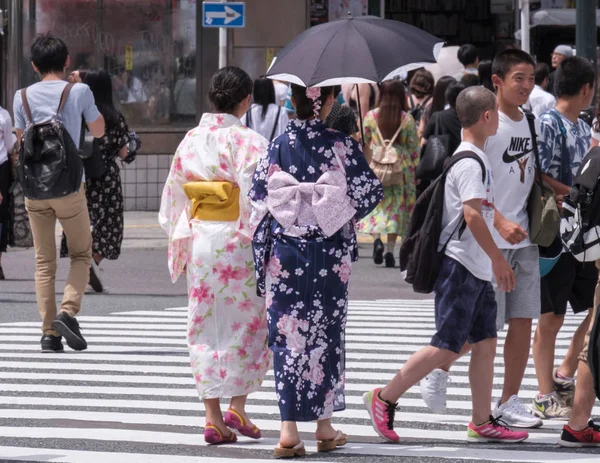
[516, 415]
[433, 390]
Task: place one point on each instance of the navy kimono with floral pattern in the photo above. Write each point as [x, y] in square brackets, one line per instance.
[304, 274]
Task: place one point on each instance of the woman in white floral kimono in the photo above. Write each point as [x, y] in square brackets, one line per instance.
[205, 212]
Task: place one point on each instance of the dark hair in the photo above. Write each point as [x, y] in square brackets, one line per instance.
[472, 103]
[438, 101]
[542, 72]
[100, 84]
[264, 94]
[392, 102]
[303, 104]
[228, 88]
[573, 73]
[485, 74]
[422, 83]
[452, 93]
[469, 80]
[505, 60]
[49, 54]
[467, 54]
[337, 89]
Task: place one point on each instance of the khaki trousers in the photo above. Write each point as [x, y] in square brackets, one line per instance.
[72, 213]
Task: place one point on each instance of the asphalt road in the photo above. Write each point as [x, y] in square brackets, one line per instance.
[139, 279]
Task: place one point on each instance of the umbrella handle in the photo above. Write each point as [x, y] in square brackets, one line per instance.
[360, 118]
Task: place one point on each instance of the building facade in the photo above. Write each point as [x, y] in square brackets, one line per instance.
[161, 59]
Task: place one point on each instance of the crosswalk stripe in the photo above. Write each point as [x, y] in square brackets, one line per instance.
[124, 375]
[78, 456]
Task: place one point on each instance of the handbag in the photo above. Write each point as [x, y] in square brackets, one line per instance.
[433, 153]
[544, 218]
[93, 164]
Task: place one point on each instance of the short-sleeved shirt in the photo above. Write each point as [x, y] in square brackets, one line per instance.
[512, 158]
[44, 98]
[463, 184]
[551, 141]
[7, 139]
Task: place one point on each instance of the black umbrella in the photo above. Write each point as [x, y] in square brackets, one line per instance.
[358, 50]
[354, 50]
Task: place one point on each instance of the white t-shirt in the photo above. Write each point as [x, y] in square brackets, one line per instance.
[281, 91]
[7, 138]
[512, 158]
[541, 101]
[463, 184]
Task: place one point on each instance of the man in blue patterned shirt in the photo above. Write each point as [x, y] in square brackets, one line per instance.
[565, 140]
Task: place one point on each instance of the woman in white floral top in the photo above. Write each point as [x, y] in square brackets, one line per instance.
[205, 212]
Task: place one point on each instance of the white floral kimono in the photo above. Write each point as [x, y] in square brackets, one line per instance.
[227, 325]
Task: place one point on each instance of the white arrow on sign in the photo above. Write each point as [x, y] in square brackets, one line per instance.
[228, 15]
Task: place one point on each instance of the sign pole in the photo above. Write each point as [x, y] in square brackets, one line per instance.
[222, 45]
[525, 43]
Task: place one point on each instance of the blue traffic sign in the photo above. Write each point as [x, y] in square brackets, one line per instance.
[224, 14]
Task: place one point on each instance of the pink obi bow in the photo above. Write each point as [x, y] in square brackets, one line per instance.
[324, 203]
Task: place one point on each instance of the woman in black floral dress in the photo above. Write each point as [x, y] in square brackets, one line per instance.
[104, 193]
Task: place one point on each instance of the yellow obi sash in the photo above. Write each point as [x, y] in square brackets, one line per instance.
[214, 201]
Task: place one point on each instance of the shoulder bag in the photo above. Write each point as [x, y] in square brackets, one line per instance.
[544, 218]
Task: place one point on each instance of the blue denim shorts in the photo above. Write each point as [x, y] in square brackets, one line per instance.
[465, 307]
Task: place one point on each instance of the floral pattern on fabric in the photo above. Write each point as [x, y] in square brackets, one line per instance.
[105, 196]
[227, 325]
[304, 275]
[392, 215]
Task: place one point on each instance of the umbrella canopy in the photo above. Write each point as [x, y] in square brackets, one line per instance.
[447, 63]
[353, 51]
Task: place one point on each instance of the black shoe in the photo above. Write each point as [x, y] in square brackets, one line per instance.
[2, 273]
[51, 344]
[378, 249]
[390, 262]
[95, 281]
[68, 327]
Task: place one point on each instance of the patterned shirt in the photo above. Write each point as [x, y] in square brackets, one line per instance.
[552, 145]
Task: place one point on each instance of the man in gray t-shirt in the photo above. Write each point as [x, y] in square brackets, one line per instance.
[50, 59]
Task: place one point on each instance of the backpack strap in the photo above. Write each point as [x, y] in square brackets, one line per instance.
[531, 121]
[26, 105]
[276, 123]
[63, 97]
[454, 159]
[393, 139]
[464, 155]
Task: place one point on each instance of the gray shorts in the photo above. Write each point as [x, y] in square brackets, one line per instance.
[525, 300]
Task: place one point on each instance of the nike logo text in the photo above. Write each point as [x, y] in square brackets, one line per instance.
[518, 147]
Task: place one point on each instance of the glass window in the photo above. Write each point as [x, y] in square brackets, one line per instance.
[148, 46]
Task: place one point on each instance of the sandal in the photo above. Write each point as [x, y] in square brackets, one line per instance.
[214, 436]
[235, 421]
[297, 450]
[331, 444]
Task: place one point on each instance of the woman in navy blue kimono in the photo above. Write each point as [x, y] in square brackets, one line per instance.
[309, 189]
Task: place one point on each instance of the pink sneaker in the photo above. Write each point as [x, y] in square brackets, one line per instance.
[494, 430]
[382, 415]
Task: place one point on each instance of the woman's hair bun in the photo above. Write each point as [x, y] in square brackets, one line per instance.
[228, 88]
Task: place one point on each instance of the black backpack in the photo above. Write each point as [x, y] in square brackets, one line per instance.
[580, 224]
[49, 164]
[416, 111]
[420, 259]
